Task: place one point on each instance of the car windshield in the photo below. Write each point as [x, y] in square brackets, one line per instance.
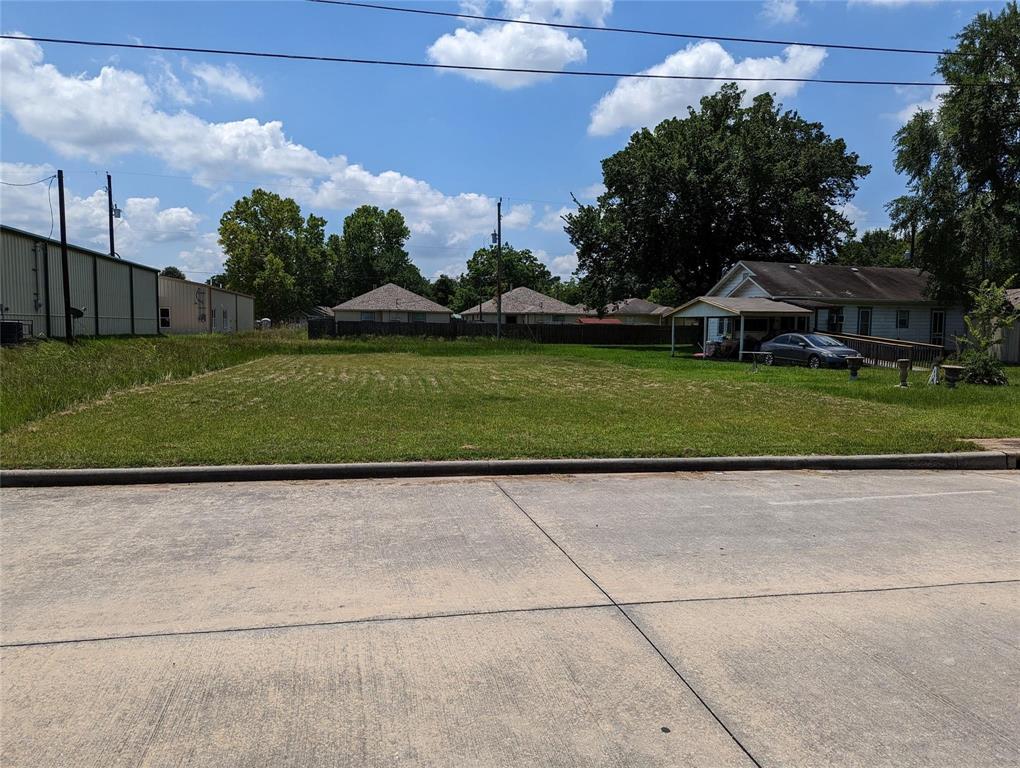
[823, 341]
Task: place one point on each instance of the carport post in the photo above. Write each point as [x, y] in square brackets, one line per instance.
[672, 336]
[740, 354]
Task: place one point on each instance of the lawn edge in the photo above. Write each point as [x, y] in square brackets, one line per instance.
[37, 478]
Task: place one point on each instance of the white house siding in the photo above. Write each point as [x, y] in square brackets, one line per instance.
[883, 322]
[1008, 348]
[389, 316]
[747, 289]
[731, 283]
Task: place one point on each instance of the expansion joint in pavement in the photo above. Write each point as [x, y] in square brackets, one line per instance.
[636, 626]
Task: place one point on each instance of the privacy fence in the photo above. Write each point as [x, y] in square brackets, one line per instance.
[567, 333]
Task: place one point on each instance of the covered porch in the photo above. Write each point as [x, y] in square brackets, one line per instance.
[724, 317]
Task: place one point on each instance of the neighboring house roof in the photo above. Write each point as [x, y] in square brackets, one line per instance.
[392, 298]
[727, 305]
[524, 301]
[634, 306]
[1013, 297]
[836, 282]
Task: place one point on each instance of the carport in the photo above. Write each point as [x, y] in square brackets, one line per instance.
[707, 308]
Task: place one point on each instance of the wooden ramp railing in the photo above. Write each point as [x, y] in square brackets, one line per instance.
[885, 352]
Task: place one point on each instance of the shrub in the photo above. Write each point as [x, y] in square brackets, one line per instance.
[982, 368]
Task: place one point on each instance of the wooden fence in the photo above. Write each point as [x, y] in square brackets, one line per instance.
[885, 352]
[543, 333]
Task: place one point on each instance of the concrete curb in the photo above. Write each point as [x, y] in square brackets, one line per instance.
[37, 478]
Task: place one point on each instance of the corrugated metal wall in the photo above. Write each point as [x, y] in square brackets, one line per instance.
[199, 308]
[245, 313]
[100, 286]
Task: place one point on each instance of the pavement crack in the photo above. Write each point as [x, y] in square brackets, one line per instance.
[636, 626]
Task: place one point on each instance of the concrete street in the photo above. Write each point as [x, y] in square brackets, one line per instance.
[726, 619]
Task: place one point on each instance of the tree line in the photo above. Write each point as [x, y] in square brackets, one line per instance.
[687, 199]
[289, 264]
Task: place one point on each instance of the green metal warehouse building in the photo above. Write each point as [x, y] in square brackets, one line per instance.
[116, 297]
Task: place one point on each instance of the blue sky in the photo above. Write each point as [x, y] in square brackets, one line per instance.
[184, 135]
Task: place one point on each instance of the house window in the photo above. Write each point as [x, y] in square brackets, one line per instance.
[164, 317]
[835, 324]
[558, 318]
[902, 318]
[226, 320]
[368, 315]
[417, 317]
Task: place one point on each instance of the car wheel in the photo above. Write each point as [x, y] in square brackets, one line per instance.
[770, 359]
[814, 361]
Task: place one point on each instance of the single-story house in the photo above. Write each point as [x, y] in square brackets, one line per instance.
[876, 302]
[525, 306]
[392, 304]
[638, 311]
[1008, 348]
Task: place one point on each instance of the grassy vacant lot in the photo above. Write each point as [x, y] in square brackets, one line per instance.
[259, 399]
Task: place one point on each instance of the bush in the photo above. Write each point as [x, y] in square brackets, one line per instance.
[982, 368]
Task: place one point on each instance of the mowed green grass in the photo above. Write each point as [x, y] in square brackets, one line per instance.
[437, 400]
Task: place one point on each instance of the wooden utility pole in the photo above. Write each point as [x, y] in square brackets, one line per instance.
[68, 324]
[499, 267]
[109, 207]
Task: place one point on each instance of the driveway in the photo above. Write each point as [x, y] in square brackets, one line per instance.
[770, 619]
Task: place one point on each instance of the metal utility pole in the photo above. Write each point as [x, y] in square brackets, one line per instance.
[109, 206]
[499, 267]
[68, 325]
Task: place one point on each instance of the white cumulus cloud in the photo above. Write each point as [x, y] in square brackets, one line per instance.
[116, 112]
[226, 80]
[520, 46]
[634, 103]
[931, 102]
[552, 221]
[779, 11]
[143, 221]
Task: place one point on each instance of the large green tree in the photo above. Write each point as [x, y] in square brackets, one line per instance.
[172, 271]
[875, 248]
[686, 200]
[443, 289]
[370, 252]
[274, 253]
[962, 162]
[520, 267]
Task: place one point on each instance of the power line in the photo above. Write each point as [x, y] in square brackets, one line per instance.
[285, 184]
[630, 31]
[475, 68]
[29, 184]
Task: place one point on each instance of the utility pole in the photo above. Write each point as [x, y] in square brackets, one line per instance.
[109, 206]
[499, 267]
[68, 326]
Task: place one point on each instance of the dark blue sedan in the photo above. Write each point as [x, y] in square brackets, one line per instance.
[814, 350]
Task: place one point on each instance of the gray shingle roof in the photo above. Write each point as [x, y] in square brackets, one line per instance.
[524, 301]
[393, 298]
[634, 306]
[833, 281]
